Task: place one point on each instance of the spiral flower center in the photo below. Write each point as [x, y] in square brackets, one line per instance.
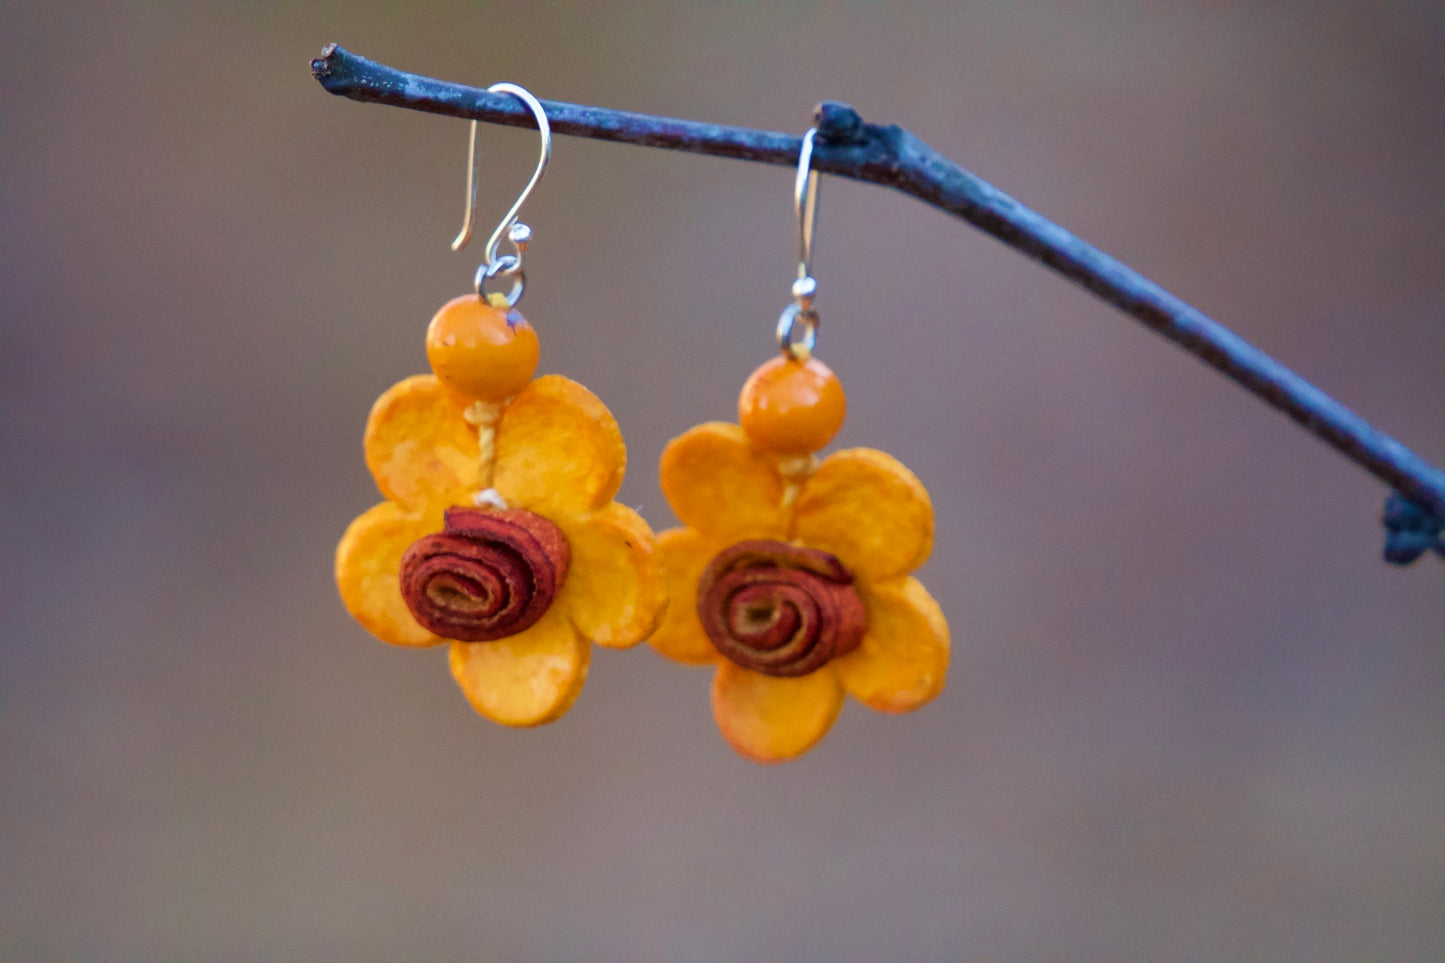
[780, 609]
[488, 575]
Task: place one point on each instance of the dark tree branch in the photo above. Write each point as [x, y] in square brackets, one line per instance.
[848, 147]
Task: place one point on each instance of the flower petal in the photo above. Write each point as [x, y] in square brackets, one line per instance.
[525, 679]
[685, 553]
[903, 659]
[770, 719]
[419, 446]
[559, 450]
[368, 566]
[721, 485]
[614, 588]
[866, 508]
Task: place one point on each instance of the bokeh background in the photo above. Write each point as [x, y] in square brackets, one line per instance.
[1191, 715]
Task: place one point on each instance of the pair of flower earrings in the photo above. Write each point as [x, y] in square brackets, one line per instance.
[501, 538]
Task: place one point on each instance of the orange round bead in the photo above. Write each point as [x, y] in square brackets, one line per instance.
[480, 350]
[792, 407]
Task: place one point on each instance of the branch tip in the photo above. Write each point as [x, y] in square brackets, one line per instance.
[838, 123]
[1410, 531]
[321, 66]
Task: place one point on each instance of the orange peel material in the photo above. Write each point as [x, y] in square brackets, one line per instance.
[903, 659]
[866, 508]
[685, 553]
[615, 593]
[772, 719]
[718, 483]
[418, 444]
[488, 575]
[367, 561]
[526, 679]
[581, 464]
[780, 609]
[557, 452]
[860, 505]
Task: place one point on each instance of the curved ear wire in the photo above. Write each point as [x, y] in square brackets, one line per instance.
[794, 343]
[517, 233]
[805, 204]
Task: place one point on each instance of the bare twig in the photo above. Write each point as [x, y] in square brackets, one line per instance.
[848, 147]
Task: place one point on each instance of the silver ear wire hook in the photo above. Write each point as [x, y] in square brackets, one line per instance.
[518, 234]
[805, 206]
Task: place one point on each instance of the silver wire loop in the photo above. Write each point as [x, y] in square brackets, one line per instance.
[504, 266]
[798, 324]
[798, 331]
[518, 235]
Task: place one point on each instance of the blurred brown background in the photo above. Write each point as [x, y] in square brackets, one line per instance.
[1192, 716]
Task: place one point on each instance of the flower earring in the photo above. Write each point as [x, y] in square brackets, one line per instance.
[499, 533]
[790, 574]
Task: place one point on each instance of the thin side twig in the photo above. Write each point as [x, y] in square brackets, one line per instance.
[889, 155]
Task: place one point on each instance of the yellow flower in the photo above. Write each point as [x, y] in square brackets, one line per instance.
[860, 505]
[558, 453]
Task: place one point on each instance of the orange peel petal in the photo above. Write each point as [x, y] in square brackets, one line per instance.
[903, 659]
[614, 589]
[866, 508]
[770, 719]
[719, 484]
[418, 444]
[685, 553]
[559, 450]
[527, 679]
[368, 565]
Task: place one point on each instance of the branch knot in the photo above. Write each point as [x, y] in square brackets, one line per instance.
[838, 123]
[1410, 531]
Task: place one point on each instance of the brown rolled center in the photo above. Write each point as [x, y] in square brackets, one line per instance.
[488, 575]
[780, 609]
